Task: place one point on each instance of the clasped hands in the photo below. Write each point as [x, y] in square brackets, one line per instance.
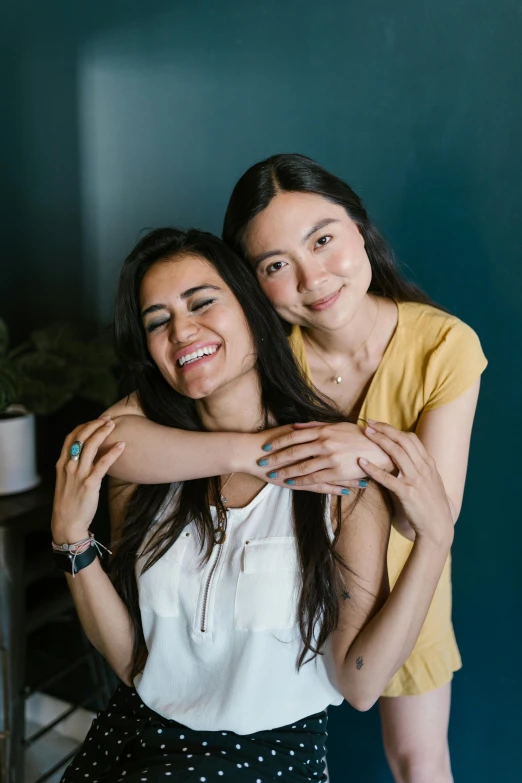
[318, 457]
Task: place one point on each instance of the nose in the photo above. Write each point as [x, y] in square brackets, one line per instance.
[183, 329]
[311, 275]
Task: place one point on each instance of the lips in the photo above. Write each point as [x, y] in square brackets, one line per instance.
[195, 354]
[326, 301]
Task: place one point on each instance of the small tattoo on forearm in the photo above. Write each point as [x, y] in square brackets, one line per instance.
[345, 595]
[359, 663]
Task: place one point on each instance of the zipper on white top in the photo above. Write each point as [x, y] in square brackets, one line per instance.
[203, 626]
[220, 536]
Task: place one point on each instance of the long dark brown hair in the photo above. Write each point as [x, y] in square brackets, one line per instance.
[286, 397]
[296, 173]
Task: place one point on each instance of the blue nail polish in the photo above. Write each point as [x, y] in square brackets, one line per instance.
[267, 447]
[263, 462]
[345, 492]
[363, 483]
[273, 474]
[289, 481]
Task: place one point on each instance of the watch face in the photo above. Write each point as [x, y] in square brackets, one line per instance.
[63, 561]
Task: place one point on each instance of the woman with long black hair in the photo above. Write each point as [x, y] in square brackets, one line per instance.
[379, 348]
[236, 611]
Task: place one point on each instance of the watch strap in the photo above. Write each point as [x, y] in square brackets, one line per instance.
[71, 564]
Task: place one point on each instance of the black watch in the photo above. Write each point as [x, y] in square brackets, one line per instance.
[66, 561]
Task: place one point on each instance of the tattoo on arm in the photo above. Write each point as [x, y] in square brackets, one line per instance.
[345, 595]
[359, 663]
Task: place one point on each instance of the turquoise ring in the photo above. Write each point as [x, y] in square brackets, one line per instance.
[76, 450]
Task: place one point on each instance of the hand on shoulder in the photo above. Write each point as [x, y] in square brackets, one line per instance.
[418, 487]
[79, 473]
[128, 406]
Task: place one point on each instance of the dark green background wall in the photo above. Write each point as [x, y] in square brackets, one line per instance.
[123, 115]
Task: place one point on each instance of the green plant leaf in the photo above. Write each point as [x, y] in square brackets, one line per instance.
[10, 384]
[99, 353]
[54, 366]
[39, 361]
[4, 337]
[100, 386]
[57, 338]
[44, 398]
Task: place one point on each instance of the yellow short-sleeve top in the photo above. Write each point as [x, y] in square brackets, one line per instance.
[432, 358]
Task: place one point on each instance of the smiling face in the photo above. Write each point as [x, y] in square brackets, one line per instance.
[309, 259]
[197, 333]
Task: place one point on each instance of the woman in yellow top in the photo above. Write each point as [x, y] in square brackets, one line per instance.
[375, 345]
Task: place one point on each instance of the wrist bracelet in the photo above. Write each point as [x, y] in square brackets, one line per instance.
[72, 563]
[73, 547]
[71, 558]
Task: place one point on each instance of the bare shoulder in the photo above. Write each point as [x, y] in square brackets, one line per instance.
[129, 406]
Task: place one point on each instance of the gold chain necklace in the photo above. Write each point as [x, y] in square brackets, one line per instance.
[223, 498]
[337, 377]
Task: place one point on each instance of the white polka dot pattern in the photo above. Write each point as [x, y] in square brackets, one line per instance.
[133, 744]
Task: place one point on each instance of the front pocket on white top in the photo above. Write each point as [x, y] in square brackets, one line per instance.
[268, 585]
[158, 587]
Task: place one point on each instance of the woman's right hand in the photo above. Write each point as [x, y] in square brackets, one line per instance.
[78, 482]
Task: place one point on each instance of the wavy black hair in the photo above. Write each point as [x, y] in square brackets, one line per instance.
[296, 173]
[286, 397]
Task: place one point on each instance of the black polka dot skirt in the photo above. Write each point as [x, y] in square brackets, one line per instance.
[130, 743]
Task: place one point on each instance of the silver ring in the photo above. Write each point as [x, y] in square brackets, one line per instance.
[75, 450]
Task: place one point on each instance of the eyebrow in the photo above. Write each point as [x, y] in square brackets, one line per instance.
[322, 224]
[185, 295]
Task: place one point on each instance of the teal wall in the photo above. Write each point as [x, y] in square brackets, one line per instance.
[124, 115]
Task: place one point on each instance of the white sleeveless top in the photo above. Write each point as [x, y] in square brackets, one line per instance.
[222, 636]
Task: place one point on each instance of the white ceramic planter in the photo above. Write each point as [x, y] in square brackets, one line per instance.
[18, 452]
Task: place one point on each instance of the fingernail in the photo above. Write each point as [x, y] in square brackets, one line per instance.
[363, 461]
[289, 481]
[371, 421]
[345, 492]
[263, 462]
[121, 444]
[370, 430]
[273, 474]
[267, 447]
[363, 483]
[108, 423]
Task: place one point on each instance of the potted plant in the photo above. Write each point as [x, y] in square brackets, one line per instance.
[39, 377]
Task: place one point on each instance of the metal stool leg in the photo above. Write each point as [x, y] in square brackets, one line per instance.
[12, 651]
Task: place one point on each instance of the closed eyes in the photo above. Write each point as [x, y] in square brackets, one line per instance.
[196, 308]
[156, 325]
[201, 305]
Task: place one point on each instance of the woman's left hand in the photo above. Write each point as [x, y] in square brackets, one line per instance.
[418, 486]
[319, 454]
